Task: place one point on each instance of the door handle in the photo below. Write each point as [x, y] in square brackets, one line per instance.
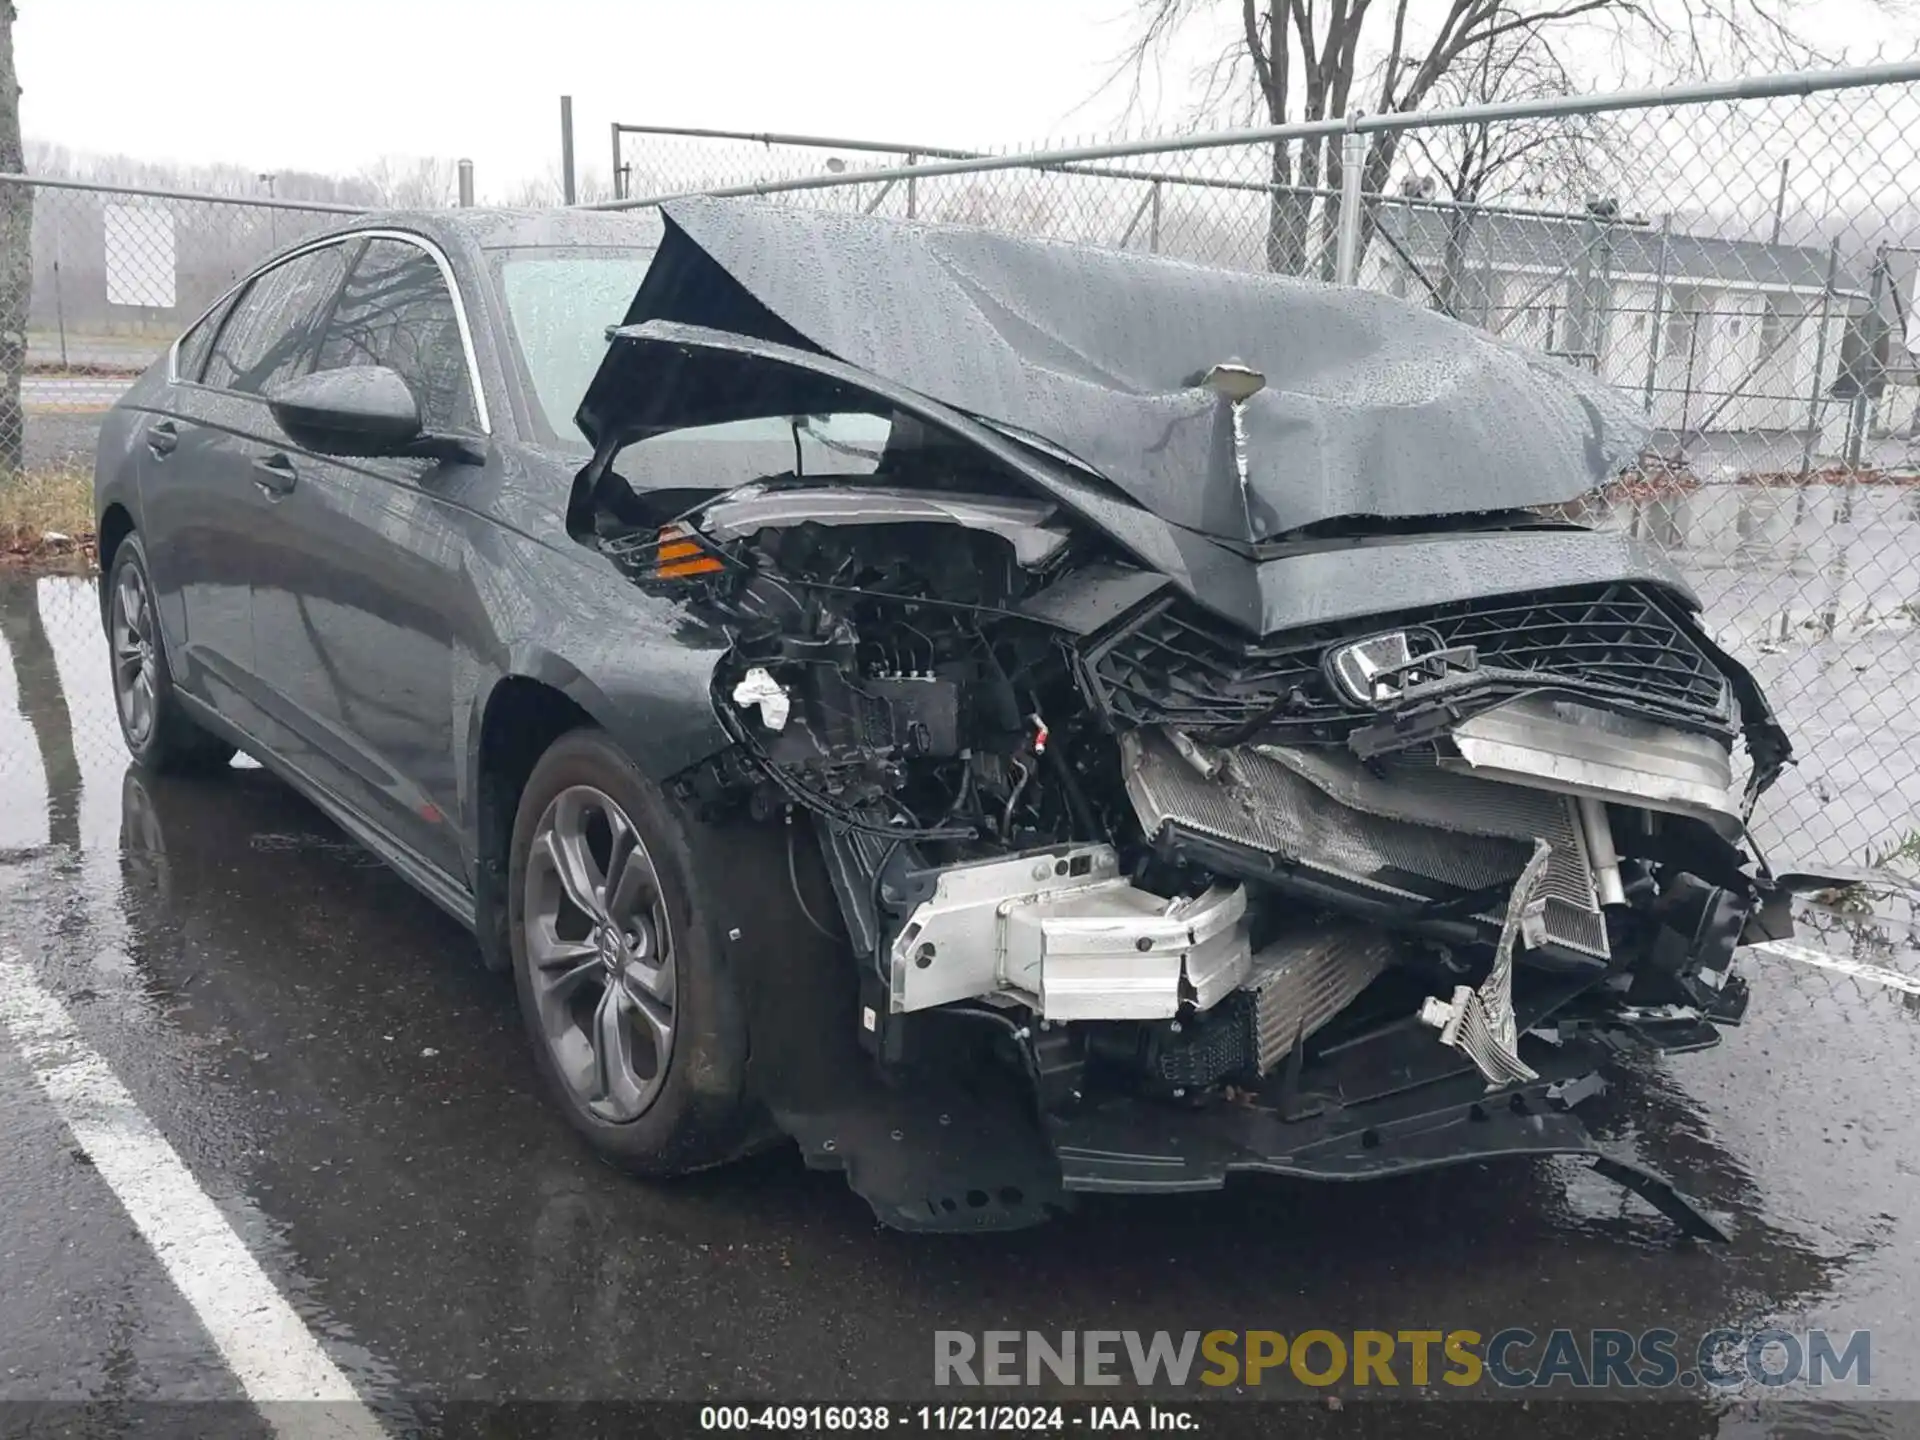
[274, 475]
[163, 439]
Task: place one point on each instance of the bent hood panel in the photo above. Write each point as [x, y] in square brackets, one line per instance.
[1372, 407]
[663, 375]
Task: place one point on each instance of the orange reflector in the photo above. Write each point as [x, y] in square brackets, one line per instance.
[680, 557]
[705, 565]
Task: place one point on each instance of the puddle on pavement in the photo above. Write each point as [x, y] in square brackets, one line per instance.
[254, 976]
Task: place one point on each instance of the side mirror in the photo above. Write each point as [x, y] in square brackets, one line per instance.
[362, 410]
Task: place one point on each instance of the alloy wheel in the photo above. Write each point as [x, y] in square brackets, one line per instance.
[133, 635]
[600, 954]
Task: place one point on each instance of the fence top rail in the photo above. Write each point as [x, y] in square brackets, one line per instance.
[1761, 87]
[811, 142]
[101, 187]
[1151, 177]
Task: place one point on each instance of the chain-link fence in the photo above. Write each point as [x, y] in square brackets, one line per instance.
[1740, 262]
[114, 274]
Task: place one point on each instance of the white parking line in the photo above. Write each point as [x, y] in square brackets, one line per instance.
[266, 1345]
[1879, 974]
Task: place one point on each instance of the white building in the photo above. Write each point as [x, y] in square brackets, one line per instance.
[1712, 334]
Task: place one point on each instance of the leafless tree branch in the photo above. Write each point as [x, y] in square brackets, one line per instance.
[1302, 58]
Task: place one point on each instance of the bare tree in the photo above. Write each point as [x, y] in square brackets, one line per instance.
[16, 260]
[1559, 159]
[539, 192]
[1310, 60]
[1013, 200]
[1566, 160]
[412, 183]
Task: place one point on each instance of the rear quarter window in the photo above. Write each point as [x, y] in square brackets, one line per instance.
[190, 357]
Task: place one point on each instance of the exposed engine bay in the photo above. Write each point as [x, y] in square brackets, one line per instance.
[1175, 863]
[1220, 755]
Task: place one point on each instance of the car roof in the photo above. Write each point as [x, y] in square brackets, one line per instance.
[499, 228]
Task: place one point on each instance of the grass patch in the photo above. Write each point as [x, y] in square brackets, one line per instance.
[56, 501]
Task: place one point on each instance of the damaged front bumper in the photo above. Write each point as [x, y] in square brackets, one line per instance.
[944, 1157]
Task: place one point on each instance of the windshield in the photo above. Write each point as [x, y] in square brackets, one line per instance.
[559, 305]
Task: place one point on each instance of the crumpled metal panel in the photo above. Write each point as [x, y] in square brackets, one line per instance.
[1371, 406]
[1580, 750]
[666, 375]
[1065, 930]
[1414, 790]
[1373, 831]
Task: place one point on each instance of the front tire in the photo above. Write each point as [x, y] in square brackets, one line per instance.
[160, 735]
[624, 979]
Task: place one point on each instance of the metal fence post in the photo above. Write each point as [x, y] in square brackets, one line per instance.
[466, 183]
[1654, 320]
[1153, 222]
[566, 149]
[1600, 299]
[1860, 415]
[1694, 319]
[913, 198]
[59, 301]
[619, 187]
[1579, 343]
[1819, 358]
[1353, 164]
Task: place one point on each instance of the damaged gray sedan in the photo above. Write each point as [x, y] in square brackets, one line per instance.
[1024, 720]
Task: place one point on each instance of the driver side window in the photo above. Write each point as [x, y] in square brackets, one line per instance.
[395, 310]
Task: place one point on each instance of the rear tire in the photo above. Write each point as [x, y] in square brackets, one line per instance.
[625, 979]
[160, 735]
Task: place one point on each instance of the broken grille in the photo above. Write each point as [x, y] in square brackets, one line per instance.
[1177, 665]
[1616, 636]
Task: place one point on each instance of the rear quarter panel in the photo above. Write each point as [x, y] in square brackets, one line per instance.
[117, 480]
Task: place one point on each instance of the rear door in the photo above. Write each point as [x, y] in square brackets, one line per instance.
[359, 640]
[214, 471]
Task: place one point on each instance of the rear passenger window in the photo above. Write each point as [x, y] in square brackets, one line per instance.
[396, 311]
[271, 333]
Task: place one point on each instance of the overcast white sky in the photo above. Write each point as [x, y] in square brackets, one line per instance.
[331, 85]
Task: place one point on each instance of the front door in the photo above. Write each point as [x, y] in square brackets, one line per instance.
[360, 637]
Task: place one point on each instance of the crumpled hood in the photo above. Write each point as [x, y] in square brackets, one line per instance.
[1371, 406]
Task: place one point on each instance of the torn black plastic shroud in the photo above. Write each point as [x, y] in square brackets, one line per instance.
[967, 1156]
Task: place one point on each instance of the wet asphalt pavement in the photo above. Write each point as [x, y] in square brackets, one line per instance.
[317, 1044]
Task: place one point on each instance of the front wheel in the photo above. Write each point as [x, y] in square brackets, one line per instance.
[625, 986]
[160, 735]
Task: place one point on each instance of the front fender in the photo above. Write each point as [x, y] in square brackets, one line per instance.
[655, 700]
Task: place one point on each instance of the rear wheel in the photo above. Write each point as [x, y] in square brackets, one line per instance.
[160, 735]
[625, 986]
